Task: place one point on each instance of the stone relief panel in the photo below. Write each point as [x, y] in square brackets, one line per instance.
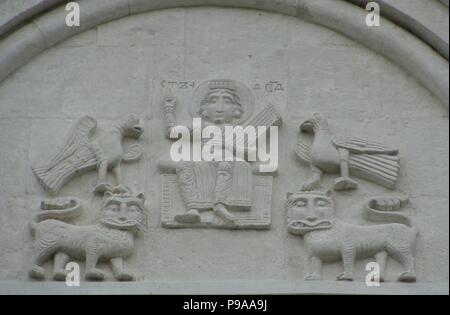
[220, 194]
[328, 239]
[79, 154]
[111, 239]
[333, 153]
[318, 71]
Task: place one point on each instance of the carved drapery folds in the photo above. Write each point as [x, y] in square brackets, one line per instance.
[218, 194]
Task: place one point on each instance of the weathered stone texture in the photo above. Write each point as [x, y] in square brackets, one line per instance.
[119, 67]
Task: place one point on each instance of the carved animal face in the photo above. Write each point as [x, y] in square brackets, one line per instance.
[132, 127]
[221, 107]
[309, 211]
[316, 122]
[124, 212]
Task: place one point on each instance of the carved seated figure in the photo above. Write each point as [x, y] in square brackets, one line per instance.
[111, 239]
[311, 215]
[221, 186]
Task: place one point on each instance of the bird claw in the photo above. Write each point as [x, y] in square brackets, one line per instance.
[102, 188]
[310, 185]
[343, 183]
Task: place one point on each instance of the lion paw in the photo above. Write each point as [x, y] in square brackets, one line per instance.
[126, 276]
[37, 272]
[60, 275]
[407, 276]
[313, 277]
[95, 275]
[343, 276]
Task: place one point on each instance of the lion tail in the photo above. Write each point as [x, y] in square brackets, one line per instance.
[58, 209]
[384, 209]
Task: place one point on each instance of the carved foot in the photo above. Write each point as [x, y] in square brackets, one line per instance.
[60, 275]
[407, 276]
[221, 211]
[313, 277]
[343, 183]
[125, 276]
[95, 275]
[37, 272]
[192, 216]
[101, 188]
[343, 276]
[310, 185]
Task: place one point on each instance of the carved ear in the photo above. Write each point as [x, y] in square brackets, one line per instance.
[329, 194]
[141, 196]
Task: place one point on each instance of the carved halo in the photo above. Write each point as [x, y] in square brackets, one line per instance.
[244, 93]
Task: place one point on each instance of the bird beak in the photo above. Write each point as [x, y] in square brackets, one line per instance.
[139, 130]
[306, 126]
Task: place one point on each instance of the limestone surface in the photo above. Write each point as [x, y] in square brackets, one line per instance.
[383, 84]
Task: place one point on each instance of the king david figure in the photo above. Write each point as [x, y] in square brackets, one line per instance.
[219, 186]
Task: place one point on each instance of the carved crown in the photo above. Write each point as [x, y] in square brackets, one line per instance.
[222, 84]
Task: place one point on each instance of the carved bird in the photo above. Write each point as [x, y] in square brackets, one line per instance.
[80, 154]
[331, 153]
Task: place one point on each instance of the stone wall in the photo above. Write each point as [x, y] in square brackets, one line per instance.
[122, 67]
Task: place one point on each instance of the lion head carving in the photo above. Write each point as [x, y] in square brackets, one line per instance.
[124, 211]
[309, 211]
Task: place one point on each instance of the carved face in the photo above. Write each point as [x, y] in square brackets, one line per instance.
[221, 107]
[124, 212]
[132, 127]
[309, 211]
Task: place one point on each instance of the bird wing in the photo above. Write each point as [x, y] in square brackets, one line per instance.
[79, 136]
[362, 146]
[303, 152]
[133, 154]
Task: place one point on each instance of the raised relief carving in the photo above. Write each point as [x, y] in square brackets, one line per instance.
[111, 239]
[328, 239]
[332, 153]
[217, 194]
[79, 154]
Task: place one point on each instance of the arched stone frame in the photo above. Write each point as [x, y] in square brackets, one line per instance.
[398, 45]
[311, 288]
